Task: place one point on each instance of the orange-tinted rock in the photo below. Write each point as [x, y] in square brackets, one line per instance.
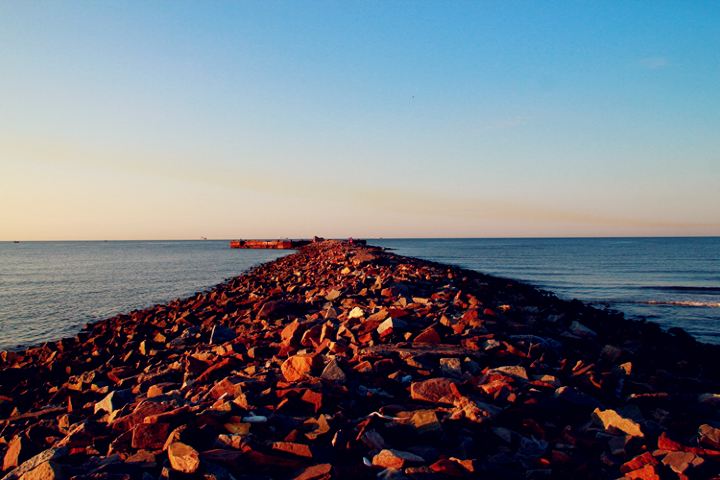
[298, 367]
[313, 398]
[18, 450]
[429, 336]
[297, 449]
[709, 436]
[183, 458]
[322, 471]
[226, 387]
[638, 462]
[448, 468]
[648, 472]
[434, 390]
[150, 436]
[389, 458]
[290, 333]
[679, 462]
[611, 420]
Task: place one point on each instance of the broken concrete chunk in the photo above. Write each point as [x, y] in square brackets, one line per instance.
[610, 420]
[434, 390]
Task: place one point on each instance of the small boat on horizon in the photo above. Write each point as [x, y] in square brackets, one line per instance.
[16, 241]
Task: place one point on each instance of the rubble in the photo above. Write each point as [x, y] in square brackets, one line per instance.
[347, 361]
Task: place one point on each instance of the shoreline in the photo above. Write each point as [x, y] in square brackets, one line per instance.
[321, 362]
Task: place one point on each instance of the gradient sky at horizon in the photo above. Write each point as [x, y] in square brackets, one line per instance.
[169, 120]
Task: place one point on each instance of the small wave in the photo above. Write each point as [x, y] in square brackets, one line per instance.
[682, 288]
[680, 303]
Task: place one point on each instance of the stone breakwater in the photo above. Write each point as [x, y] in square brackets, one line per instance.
[343, 361]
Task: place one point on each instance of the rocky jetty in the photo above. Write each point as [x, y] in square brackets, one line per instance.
[349, 362]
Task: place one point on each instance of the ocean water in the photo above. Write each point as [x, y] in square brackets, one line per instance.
[672, 281]
[49, 290]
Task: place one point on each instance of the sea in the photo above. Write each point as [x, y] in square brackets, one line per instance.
[49, 290]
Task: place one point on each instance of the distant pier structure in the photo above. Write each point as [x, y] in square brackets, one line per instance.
[285, 244]
[269, 244]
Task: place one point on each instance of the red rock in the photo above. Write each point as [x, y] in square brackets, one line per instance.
[389, 458]
[150, 436]
[313, 398]
[434, 390]
[448, 468]
[183, 458]
[709, 436]
[143, 456]
[321, 471]
[141, 411]
[311, 336]
[387, 327]
[638, 462]
[297, 449]
[388, 292]
[428, 336]
[648, 472]
[679, 462]
[160, 388]
[290, 333]
[212, 370]
[225, 387]
[298, 367]
[610, 420]
[666, 443]
[18, 450]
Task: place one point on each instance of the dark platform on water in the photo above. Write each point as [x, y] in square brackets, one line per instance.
[279, 244]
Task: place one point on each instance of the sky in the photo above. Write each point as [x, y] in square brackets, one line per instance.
[265, 119]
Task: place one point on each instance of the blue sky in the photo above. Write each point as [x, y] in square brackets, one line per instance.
[225, 119]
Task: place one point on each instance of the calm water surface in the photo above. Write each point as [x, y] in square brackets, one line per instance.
[672, 281]
[48, 290]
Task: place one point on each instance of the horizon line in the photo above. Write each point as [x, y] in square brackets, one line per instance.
[490, 237]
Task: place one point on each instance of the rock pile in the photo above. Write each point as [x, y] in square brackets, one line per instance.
[344, 361]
